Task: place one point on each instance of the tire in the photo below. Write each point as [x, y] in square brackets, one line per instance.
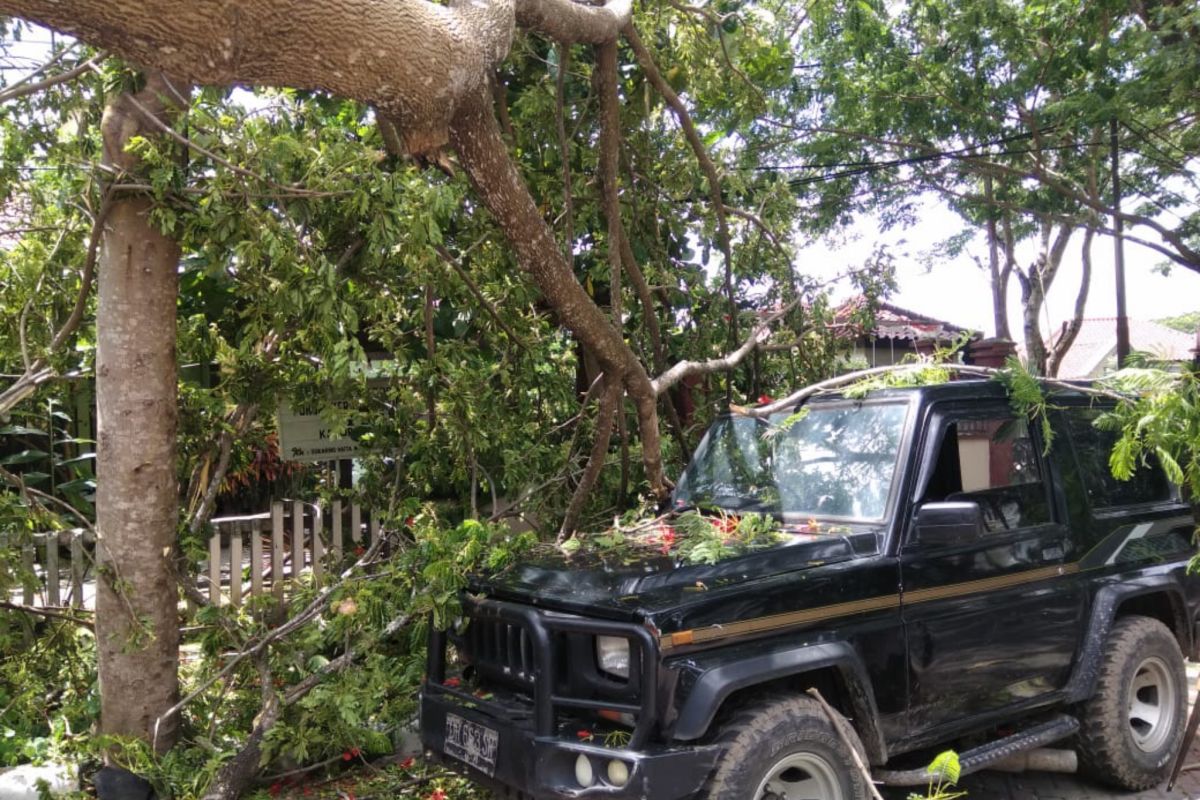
[1132, 726]
[786, 748]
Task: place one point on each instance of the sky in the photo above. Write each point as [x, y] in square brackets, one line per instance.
[959, 291]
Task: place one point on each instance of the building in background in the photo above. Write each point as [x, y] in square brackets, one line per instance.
[899, 333]
[1094, 351]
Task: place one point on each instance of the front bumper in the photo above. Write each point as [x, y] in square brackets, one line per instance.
[533, 766]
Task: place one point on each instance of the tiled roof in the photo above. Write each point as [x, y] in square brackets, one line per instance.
[894, 322]
[1097, 342]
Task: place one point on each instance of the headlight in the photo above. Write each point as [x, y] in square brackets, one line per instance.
[612, 654]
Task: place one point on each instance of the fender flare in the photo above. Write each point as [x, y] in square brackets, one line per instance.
[716, 684]
[1104, 608]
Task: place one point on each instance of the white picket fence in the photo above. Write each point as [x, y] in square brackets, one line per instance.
[302, 538]
[42, 555]
[297, 536]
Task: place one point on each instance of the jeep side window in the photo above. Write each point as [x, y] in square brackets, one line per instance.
[992, 462]
[1092, 448]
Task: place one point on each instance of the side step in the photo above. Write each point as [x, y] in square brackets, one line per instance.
[1058, 727]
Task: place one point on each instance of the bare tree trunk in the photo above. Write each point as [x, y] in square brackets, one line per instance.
[137, 625]
[999, 275]
[1034, 287]
[1071, 328]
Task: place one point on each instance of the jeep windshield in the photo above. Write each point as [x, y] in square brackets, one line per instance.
[836, 460]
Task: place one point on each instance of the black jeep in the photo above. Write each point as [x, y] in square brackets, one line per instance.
[947, 578]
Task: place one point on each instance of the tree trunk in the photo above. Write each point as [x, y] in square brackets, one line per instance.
[1034, 287]
[1071, 328]
[137, 625]
[999, 274]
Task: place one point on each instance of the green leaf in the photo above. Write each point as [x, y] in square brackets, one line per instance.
[24, 457]
[21, 430]
[945, 768]
[1170, 466]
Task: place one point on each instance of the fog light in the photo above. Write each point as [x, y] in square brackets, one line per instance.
[583, 771]
[618, 773]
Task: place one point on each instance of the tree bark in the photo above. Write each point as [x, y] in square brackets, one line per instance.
[999, 275]
[1034, 287]
[476, 137]
[1071, 328]
[137, 625]
[415, 60]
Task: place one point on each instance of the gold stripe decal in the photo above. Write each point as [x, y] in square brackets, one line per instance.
[791, 619]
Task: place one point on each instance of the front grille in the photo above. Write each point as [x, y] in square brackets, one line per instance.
[499, 649]
[548, 658]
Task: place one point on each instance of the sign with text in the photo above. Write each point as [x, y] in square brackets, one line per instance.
[305, 437]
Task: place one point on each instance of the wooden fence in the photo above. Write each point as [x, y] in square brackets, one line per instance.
[243, 551]
[61, 584]
[298, 537]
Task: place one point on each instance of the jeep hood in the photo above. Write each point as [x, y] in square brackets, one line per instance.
[610, 586]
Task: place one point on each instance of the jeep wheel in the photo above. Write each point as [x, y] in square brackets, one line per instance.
[785, 749]
[1133, 724]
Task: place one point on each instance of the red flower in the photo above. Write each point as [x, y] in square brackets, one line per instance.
[409, 522]
[358, 551]
[346, 755]
[726, 525]
[763, 399]
[666, 538]
[275, 788]
[407, 763]
[451, 682]
[437, 794]
[584, 735]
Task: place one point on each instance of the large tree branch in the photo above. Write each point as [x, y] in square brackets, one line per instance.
[476, 136]
[567, 22]
[413, 59]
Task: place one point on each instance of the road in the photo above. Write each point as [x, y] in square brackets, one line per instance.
[1048, 786]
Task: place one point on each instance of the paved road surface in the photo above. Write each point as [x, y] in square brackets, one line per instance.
[1046, 786]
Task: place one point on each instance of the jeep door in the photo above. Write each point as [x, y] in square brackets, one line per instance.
[992, 616]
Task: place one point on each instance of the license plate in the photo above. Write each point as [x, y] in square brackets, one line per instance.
[472, 743]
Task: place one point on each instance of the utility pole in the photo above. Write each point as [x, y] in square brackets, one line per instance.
[1118, 248]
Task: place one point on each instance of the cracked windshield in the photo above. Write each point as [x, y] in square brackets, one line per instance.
[836, 461]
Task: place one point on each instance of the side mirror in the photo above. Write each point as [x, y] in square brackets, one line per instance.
[945, 524]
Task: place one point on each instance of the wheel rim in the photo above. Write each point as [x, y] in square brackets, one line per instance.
[800, 776]
[1151, 704]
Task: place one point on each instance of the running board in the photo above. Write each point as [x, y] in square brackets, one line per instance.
[1058, 727]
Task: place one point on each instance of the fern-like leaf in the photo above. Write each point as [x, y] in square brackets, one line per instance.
[945, 768]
